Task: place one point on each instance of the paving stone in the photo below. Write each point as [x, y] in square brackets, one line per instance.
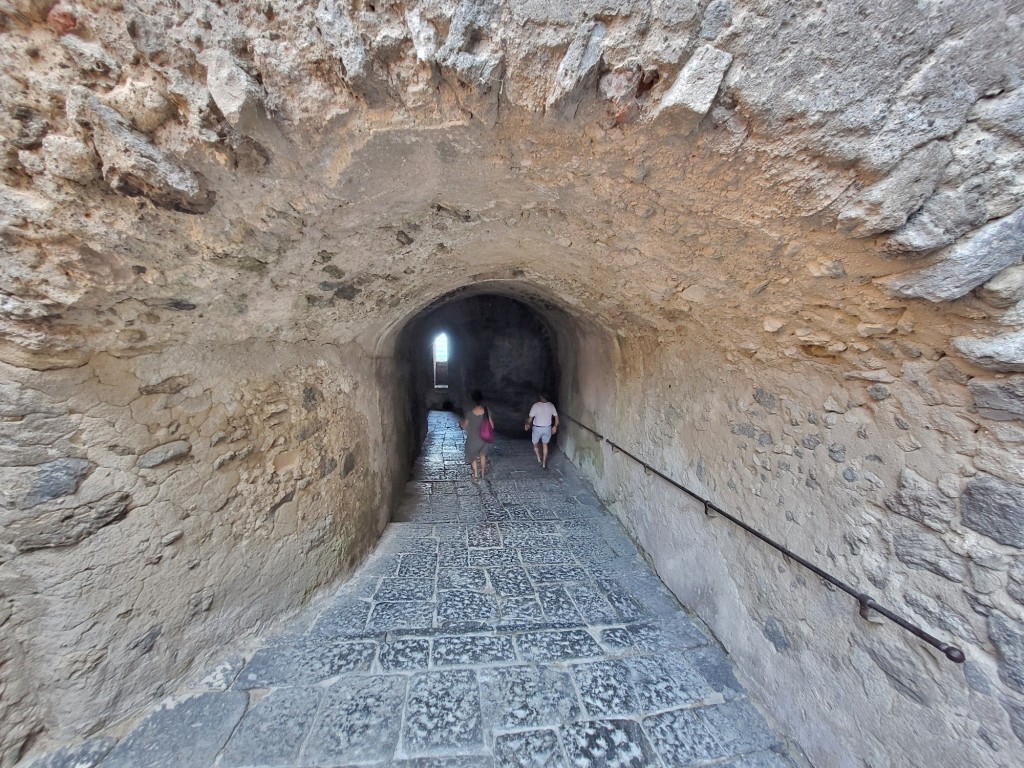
[450, 761]
[521, 612]
[466, 650]
[404, 654]
[527, 697]
[461, 608]
[557, 574]
[393, 589]
[628, 607]
[739, 727]
[557, 645]
[558, 605]
[442, 713]
[681, 738]
[462, 578]
[546, 555]
[272, 731]
[591, 604]
[345, 618]
[389, 617]
[452, 555]
[223, 674]
[359, 721]
[529, 749]
[492, 557]
[482, 536]
[304, 663]
[178, 733]
[608, 744]
[85, 755]
[511, 582]
[418, 566]
[606, 689]
[666, 681]
[760, 760]
[713, 665]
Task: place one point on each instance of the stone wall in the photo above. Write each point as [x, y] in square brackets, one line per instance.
[160, 509]
[874, 478]
[744, 211]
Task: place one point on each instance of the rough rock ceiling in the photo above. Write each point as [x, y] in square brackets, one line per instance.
[190, 172]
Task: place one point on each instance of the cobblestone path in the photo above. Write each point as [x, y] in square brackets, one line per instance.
[509, 622]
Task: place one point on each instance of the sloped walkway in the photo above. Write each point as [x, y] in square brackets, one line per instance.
[509, 622]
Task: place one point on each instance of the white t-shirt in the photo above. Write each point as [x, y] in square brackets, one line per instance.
[543, 414]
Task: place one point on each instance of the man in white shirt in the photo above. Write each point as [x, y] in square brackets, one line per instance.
[543, 420]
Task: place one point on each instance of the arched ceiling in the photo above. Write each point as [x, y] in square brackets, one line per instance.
[203, 173]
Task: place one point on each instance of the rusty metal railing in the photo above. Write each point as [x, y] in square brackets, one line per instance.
[865, 601]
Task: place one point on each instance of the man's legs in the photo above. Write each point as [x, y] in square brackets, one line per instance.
[544, 462]
[536, 448]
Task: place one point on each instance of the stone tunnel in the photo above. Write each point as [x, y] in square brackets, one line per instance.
[773, 248]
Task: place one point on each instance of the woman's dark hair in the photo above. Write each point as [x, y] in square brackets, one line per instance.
[477, 397]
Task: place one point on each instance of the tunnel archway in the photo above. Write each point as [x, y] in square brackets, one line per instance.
[508, 339]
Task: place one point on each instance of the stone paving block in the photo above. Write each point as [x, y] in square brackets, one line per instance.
[540, 555]
[345, 617]
[557, 645]
[617, 641]
[527, 697]
[543, 514]
[442, 713]
[223, 674]
[484, 536]
[304, 663]
[462, 578]
[493, 557]
[739, 727]
[623, 602]
[389, 617]
[529, 749]
[466, 650]
[450, 533]
[181, 732]
[608, 744]
[521, 612]
[272, 731]
[359, 721]
[404, 654]
[452, 554]
[558, 606]
[418, 545]
[451, 761]
[556, 574]
[681, 738]
[760, 760]
[713, 665]
[666, 681]
[591, 604]
[511, 581]
[606, 689]
[85, 755]
[396, 589]
[418, 566]
[462, 608]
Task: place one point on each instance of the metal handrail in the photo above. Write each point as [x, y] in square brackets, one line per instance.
[866, 602]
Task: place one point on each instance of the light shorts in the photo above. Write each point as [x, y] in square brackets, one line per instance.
[542, 434]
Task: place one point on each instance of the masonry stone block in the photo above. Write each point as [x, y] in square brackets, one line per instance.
[995, 508]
